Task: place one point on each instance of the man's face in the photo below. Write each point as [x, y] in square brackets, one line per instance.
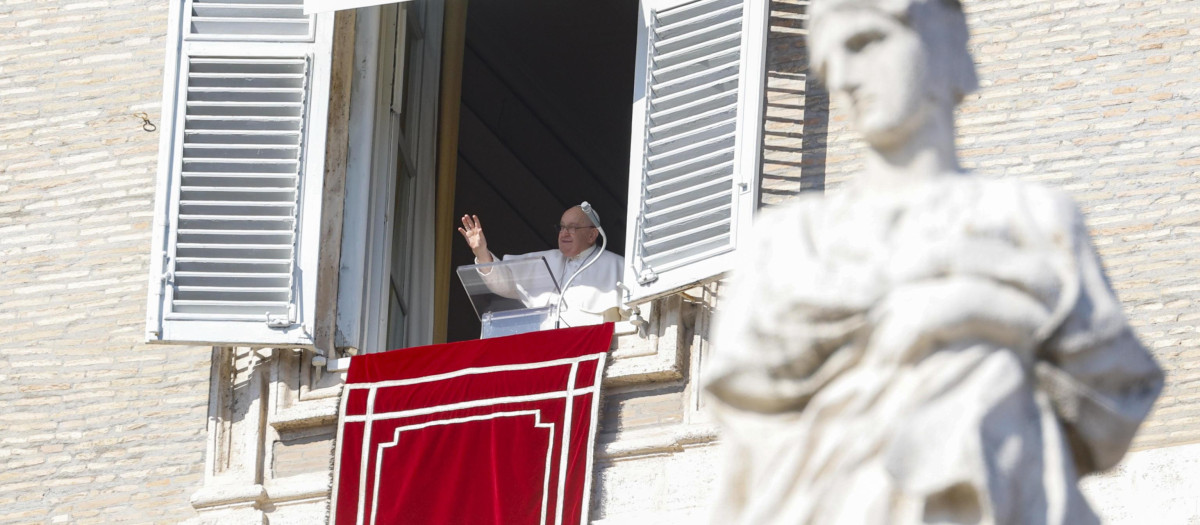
[879, 66]
[576, 232]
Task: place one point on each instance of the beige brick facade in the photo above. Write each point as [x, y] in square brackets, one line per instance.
[1095, 97]
[97, 427]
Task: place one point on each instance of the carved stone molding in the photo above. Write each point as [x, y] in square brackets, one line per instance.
[656, 441]
[655, 353]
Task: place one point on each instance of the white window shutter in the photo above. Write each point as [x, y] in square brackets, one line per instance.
[241, 164]
[325, 6]
[696, 141]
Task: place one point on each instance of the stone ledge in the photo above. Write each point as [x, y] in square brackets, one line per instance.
[300, 487]
[657, 367]
[655, 441]
[307, 414]
[218, 493]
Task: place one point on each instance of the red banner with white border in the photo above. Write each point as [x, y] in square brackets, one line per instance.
[489, 431]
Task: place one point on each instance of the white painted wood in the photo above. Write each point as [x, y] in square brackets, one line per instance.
[696, 140]
[352, 281]
[166, 147]
[325, 6]
[381, 201]
[238, 195]
[370, 262]
[422, 107]
[277, 21]
[400, 47]
[405, 258]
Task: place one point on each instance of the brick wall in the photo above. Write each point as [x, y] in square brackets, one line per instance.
[1096, 97]
[97, 427]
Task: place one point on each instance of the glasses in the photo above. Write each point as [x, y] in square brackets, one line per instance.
[558, 228]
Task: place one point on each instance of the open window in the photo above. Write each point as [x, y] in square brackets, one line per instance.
[651, 111]
[546, 119]
[543, 125]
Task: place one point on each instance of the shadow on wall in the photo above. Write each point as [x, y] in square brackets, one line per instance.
[797, 110]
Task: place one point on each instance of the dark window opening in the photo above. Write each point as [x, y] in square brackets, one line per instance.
[547, 94]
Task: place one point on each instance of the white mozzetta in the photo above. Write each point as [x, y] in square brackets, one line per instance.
[591, 294]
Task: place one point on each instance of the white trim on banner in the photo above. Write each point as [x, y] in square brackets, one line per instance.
[323, 6]
[591, 449]
[567, 394]
[537, 423]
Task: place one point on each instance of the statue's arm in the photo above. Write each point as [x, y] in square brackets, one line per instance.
[1101, 380]
[772, 349]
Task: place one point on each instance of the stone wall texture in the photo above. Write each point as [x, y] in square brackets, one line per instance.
[97, 426]
[1095, 97]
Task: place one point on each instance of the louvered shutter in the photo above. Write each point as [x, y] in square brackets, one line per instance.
[241, 163]
[696, 141]
[325, 6]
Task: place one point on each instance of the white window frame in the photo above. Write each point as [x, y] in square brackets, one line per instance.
[368, 222]
[327, 6]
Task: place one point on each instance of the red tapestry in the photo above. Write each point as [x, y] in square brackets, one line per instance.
[489, 431]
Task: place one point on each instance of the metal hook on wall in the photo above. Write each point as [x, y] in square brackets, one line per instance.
[146, 124]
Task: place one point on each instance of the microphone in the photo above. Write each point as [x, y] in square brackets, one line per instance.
[562, 294]
[591, 215]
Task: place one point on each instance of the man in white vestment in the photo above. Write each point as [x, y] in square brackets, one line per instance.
[592, 297]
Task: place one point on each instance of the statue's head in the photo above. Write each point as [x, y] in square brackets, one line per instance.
[894, 60]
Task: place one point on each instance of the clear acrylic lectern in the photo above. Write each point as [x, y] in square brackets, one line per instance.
[511, 297]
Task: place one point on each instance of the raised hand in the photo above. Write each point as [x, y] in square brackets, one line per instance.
[472, 231]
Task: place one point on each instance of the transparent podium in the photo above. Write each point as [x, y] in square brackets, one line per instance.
[511, 297]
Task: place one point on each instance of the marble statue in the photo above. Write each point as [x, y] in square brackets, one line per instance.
[921, 346]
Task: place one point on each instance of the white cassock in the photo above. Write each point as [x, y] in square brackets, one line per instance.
[592, 298]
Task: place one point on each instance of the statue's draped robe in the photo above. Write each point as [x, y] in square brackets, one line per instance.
[948, 353]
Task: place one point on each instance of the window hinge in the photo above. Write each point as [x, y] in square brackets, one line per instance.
[282, 321]
[168, 276]
[647, 276]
